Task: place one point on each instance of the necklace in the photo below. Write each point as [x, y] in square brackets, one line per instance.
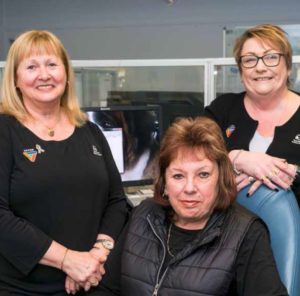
[168, 240]
[51, 130]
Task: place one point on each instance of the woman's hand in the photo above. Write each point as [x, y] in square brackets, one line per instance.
[81, 266]
[260, 168]
[244, 180]
[94, 280]
[71, 286]
[100, 254]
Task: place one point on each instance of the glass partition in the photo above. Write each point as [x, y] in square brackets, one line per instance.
[295, 75]
[177, 86]
[226, 77]
[1, 71]
[181, 86]
[110, 86]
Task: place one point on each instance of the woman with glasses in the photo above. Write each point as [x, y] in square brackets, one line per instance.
[261, 126]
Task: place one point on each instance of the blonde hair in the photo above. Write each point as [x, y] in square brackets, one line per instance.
[267, 33]
[27, 44]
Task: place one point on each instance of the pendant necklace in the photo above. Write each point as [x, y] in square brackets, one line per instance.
[51, 130]
[168, 241]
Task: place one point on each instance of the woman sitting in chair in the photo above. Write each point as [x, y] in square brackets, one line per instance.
[192, 239]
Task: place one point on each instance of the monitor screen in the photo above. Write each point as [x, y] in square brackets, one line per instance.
[133, 134]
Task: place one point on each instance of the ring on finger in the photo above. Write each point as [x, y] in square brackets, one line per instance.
[94, 283]
[251, 179]
[270, 176]
[264, 179]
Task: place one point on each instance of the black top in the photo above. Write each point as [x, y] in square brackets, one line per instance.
[256, 272]
[180, 237]
[67, 191]
[238, 129]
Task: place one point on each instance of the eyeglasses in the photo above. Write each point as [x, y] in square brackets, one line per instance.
[270, 60]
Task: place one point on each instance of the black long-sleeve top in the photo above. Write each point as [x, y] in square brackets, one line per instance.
[68, 191]
[238, 129]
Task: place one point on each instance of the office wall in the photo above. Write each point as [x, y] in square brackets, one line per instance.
[140, 29]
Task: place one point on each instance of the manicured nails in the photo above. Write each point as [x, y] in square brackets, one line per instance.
[248, 194]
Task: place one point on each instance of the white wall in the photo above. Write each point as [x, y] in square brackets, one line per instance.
[140, 29]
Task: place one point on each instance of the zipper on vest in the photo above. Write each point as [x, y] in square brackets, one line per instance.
[158, 282]
[155, 290]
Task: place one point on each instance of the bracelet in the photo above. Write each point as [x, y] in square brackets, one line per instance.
[63, 260]
[236, 171]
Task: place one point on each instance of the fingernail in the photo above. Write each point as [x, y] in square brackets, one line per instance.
[248, 194]
[276, 189]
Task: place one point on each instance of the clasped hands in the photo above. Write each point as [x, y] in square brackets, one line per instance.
[84, 269]
[259, 168]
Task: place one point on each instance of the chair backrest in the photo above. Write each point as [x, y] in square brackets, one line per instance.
[280, 212]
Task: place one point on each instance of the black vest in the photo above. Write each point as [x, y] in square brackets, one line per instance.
[204, 267]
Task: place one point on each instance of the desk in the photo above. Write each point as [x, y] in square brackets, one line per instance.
[138, 194]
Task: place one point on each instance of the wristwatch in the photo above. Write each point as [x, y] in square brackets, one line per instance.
[106, 243]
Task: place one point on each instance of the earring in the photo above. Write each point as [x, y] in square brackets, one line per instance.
[165, 196]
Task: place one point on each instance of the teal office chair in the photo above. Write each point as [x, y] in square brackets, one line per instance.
[280, 212]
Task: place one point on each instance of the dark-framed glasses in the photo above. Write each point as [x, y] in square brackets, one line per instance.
[270, 60]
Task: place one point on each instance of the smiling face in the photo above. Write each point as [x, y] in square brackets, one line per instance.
[191, 184]
[41, 79]
[263, 80]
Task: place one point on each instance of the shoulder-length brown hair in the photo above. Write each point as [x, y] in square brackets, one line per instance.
[204, 134]
[27, 44]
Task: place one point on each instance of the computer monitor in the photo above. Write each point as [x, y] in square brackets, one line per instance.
[173, 104]
[133, 134]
